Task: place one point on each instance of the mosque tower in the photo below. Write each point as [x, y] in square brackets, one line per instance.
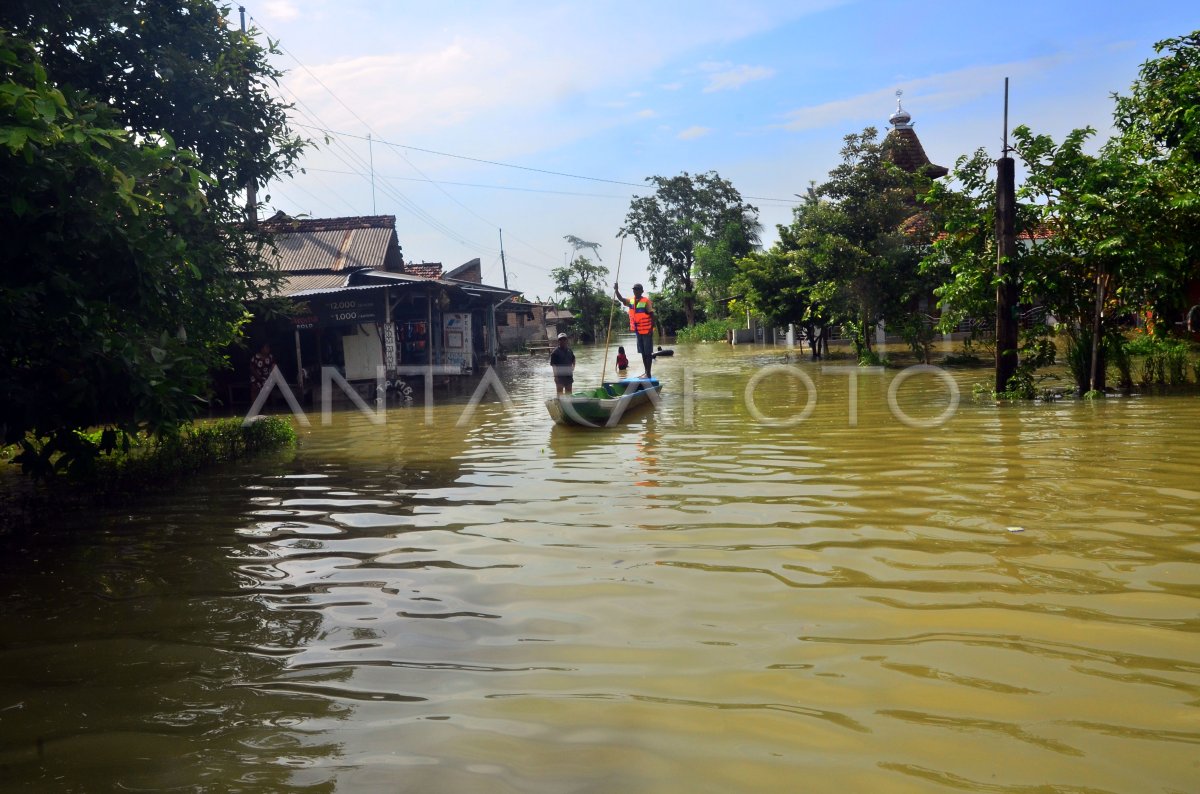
[904, 147]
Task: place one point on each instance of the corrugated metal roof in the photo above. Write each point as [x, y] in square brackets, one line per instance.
[308, 292]
[333, 250]
[388, 275]
[477, 288]
[296, 284]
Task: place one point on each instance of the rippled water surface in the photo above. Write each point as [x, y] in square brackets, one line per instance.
[711, 597]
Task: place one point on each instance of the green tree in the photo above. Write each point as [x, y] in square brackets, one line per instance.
[170, 67]
[848, 256]
[773, 284]
[1059, 220]
[869, 259]
[583, 285]
[126, 272]
[716, 263]
[684, 213]
[1104, 235]
[1158, 142]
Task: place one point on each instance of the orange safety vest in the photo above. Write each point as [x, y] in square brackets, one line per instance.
[639, 315]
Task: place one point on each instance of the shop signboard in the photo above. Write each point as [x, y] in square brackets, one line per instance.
[341, 308]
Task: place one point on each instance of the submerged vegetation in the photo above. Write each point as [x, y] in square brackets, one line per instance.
[146, 458]
[1136, 361]
[143, 462]
[708, 331]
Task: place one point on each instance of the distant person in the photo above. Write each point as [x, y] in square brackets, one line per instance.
[622, 361]
[641, 322]
[562, 363]
[262, 364]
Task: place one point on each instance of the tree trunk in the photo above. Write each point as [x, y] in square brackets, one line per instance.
[689, 299]
[1096, 384]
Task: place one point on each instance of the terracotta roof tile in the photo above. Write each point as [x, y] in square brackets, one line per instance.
[283, 222]
[906, 151]
[424, 269]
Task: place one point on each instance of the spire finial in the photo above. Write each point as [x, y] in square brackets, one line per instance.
[901, 119]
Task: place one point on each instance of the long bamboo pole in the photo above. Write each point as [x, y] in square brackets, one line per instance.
[612, 308]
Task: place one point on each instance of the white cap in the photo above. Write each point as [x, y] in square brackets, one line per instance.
[562, 336]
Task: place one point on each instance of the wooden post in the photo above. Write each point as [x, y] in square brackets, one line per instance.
[299, 364]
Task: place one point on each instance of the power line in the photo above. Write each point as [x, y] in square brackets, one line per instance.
[397, 195]
[484, 161]
[457, 156]
[389, 190]
[513, 165]
[310, 169]
[394, 192]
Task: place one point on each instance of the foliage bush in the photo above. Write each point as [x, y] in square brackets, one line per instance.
[1036, 353]
[1164, 361]
[1112, 351]
[869, 358]
[139, 459]
[707, 331]
[1119, 358]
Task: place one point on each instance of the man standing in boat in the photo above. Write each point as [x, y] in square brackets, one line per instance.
[641, 322]
[562, 363]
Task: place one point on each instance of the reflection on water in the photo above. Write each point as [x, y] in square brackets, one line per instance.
[695, 600]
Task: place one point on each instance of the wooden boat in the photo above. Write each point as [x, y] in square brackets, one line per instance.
[603, 406]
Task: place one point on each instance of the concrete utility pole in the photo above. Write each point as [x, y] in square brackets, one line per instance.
[503, 265]
[371, 155]
[1007, 290]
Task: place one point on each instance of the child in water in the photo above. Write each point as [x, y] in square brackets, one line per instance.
[622, 361]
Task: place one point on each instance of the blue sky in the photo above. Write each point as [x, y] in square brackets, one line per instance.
[760, 91]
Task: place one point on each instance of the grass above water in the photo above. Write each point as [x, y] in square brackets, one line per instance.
[148, 464]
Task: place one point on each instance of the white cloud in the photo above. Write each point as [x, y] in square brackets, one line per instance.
[693, 132]
[280, 9]
[737, 77]
[493, 66]
[434, 88]
[671, 86]
[936, 92]
[646, 114]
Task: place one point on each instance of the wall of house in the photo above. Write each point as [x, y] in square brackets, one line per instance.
[518, 329]
[362, 352]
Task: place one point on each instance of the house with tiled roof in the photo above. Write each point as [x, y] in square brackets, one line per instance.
[359, 307]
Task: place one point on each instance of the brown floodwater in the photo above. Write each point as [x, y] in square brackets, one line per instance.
[802, 593]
